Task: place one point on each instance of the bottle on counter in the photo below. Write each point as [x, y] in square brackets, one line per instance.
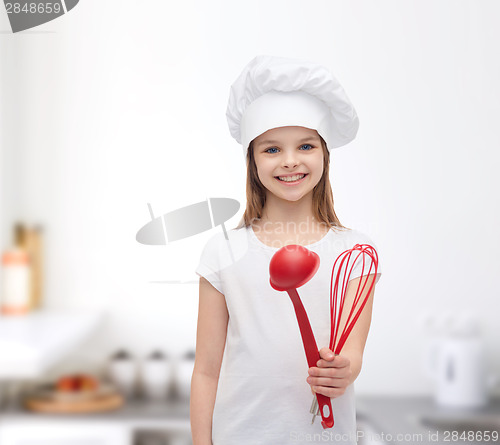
[30, 239]
[16, 277]
[34, 248]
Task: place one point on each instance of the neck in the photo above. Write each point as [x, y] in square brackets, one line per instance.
[289, 214]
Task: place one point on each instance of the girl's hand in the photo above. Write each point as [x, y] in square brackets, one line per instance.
[332, 374]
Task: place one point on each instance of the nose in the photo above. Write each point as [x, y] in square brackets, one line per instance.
[290, 159]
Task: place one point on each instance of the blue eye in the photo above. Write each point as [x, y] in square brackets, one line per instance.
[303, 145]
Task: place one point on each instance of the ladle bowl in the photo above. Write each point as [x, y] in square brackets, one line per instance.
[292, 266]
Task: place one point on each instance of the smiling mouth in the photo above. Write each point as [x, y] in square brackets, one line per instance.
[294, 178]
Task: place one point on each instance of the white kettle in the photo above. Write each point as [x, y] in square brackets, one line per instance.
[457, 365]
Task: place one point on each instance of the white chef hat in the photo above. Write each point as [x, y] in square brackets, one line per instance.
[276, 92]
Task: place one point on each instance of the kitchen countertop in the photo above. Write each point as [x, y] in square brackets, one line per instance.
[398, 420]
[391, 420]
[170, 414]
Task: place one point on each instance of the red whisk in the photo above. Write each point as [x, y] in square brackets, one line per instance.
[294, 265]
[341, 275]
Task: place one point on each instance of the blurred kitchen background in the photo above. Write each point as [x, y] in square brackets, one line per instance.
[116, 105]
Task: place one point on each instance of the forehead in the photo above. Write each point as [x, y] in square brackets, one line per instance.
[285, 134]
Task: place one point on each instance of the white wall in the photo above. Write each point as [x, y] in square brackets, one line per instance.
[118, 104]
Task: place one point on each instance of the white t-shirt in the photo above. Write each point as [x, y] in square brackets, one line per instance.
[262, 395]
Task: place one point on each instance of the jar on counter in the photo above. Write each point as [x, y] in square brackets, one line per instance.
[184, 373]
[156, 376]
[123, 373]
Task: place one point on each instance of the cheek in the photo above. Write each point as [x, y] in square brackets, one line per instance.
[261, 174]
[319, 168]
[263, 171]
[318, 174]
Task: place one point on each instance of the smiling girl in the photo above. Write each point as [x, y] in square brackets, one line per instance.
[251, 383]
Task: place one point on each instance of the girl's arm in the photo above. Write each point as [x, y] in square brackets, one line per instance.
[331, 376]
[355, 344]
[210, 342]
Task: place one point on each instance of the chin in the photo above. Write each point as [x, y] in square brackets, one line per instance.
[292, 198]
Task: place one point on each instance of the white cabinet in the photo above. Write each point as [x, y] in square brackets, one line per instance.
[64, 433]
[136, 423]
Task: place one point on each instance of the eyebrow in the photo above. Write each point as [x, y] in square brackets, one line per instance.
[270, 141]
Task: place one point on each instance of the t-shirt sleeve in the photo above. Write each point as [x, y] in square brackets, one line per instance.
[208, 266]
[357, 258]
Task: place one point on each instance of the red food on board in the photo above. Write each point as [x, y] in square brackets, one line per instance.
[77, 383]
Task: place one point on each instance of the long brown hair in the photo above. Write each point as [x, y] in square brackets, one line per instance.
[322, 201]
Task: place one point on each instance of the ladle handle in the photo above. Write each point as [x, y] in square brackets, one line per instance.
[312, 354]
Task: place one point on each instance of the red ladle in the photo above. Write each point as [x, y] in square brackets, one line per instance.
[293, 266]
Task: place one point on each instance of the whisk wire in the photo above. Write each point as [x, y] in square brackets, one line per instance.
[337, 340]
[337, 307]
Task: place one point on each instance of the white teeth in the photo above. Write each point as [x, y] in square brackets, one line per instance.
[290, 178]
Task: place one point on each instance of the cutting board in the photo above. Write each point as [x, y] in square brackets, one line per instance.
[105, 402]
